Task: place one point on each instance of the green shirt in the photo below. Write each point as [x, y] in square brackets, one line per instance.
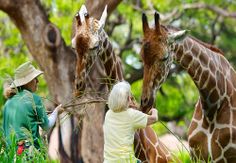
[23, 114]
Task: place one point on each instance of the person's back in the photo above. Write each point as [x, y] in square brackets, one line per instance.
[20, 113]
[119, 129]
[121, 123]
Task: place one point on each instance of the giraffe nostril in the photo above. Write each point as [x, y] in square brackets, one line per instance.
[77, 86]
[80, 85]
[144, 101]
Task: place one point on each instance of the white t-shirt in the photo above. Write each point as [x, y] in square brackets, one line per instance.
[119, 129]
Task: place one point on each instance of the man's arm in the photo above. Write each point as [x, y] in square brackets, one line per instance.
[53, 117]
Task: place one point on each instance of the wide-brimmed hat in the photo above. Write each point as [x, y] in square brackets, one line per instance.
[24, 74]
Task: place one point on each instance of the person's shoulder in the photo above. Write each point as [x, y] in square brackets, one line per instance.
[30, 96]
[135, 113]
[131, 110]
[35, 96]
[24, 94]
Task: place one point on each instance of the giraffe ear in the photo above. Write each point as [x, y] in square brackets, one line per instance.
[145, 23]
[177, 36]
[83, 11]
[73, 43]
[103, 18]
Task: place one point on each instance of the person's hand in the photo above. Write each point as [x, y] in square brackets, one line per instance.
[132, 103]
[153, 111]
[153, 117]
[60, 109]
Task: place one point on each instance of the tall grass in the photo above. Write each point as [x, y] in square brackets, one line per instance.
[182, 156]
[8, 152]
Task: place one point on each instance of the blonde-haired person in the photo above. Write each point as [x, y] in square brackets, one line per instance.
[121, 122]
[24, 110]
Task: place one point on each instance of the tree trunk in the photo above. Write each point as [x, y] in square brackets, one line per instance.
[96, 7]
[57, 60]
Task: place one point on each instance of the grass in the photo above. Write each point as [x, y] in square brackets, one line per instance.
[8, 153]
[184, 157]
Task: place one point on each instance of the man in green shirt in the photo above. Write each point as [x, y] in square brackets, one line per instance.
[24, 111]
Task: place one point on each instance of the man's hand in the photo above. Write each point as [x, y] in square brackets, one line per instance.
[60, 109]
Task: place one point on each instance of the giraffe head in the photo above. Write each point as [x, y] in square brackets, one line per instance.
[157, 56]
[86, 40]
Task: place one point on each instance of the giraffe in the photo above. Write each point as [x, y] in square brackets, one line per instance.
[212, 132]
[91, 42]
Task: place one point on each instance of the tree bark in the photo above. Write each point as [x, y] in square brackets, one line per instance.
[96, 7]
[57, 60]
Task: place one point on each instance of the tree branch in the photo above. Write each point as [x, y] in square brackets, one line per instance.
[177, 12]
[96, 7]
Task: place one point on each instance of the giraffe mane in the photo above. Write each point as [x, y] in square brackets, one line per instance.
[208, 46]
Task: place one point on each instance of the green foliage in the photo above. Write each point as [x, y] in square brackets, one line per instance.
[180, 96]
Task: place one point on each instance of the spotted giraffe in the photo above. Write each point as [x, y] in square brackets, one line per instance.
[212, 132]
[91, 42]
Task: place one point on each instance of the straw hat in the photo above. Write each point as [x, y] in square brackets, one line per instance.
[24, 74]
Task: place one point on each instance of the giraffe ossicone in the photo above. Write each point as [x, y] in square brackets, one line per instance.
[83, 10]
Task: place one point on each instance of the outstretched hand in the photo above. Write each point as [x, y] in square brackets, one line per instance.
[132, 103]
[153, 111]
[60, 109]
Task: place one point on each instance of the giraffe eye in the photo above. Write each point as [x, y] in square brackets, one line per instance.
[166, 56]
[146, 46]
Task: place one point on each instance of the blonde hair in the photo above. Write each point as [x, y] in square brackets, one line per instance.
[118, 97]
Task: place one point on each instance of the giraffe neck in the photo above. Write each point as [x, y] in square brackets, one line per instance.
[110, 60]
[210, 71]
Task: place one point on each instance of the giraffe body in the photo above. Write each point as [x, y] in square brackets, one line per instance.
[212, 133]
[91, 42]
